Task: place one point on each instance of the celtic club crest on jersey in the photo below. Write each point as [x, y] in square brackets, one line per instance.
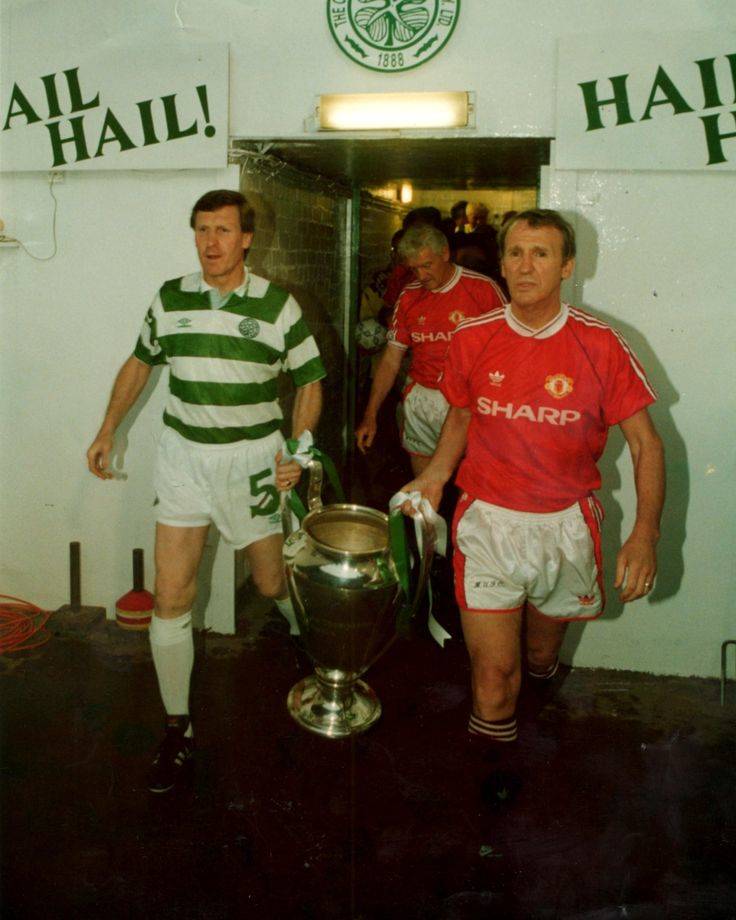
[392, 35]
[249, 327]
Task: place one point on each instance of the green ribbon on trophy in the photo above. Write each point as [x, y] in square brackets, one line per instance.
[302, 450]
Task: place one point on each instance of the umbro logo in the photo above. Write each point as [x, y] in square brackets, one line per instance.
[496, 378]
[183, 323]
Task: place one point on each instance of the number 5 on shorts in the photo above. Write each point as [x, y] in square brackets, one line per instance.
[269, 504]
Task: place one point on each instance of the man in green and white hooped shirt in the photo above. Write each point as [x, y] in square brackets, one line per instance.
[226, 334]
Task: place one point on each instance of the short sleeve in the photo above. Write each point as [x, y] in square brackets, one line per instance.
[398, 332]
[453, 381]
[148, 348]
[301, 355]
[626, 389]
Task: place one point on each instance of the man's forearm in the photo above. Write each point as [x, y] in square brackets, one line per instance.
[649, 480]
[307, 408]
[647, 457]
[451, 445]
[129, 383]
[386, 373]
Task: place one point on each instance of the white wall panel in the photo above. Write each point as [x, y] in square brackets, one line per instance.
[655, 261]
[66, 326]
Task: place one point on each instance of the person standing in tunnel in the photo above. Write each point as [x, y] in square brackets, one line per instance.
[226, 334]
[424, 319]
[533, 389]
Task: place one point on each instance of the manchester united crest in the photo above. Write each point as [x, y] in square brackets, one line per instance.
[558, 385]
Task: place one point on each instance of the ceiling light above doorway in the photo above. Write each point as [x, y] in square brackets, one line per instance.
[386, 111]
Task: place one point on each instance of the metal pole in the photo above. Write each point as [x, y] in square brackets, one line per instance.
[75, 575]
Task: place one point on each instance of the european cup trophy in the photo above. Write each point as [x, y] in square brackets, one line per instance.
[347, 596]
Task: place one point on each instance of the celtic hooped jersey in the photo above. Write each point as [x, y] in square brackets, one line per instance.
[224, 363]
[541, 405]
[424, 321]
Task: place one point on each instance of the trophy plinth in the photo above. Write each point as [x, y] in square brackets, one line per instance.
[334, 710]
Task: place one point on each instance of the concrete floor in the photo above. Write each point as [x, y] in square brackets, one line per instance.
[628, 807]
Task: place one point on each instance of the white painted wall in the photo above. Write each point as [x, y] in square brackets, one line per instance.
[655, 261]
[66, 324]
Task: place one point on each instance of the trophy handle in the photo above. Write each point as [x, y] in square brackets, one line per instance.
[314, 496]
[314, 490]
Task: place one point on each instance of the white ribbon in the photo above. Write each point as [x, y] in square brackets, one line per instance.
[302, 456]
[422, 504]
[418, 503]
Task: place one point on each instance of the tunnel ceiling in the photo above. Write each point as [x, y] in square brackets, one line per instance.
[462, 163]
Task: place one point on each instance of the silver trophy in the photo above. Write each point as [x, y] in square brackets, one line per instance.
[347, 598]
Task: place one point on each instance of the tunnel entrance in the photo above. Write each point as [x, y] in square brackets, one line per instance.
[326, 211]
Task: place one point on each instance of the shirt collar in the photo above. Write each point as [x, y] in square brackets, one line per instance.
[553, 326]
[451, 281]
[240, 291]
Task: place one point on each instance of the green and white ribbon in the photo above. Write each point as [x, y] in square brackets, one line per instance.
[302, 451]
[400, 552]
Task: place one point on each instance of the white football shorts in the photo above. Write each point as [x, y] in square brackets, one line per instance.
[505, 559]
[229, 485]
[424, 413]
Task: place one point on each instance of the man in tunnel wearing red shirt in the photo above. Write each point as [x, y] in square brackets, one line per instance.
[533, 388]
[425, 317]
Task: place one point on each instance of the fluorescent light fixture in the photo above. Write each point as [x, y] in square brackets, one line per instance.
[406, 193]
[376, 111]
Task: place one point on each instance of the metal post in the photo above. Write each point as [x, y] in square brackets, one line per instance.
[351, 314]
[724, 650]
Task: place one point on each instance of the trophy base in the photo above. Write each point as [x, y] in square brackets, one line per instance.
[330, 715]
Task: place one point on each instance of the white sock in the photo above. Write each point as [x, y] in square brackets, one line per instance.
[286, 609]
[172, 647]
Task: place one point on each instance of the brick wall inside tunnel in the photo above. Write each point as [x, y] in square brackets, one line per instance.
[299, 244]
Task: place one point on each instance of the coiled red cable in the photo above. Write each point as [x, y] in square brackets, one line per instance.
[21, 625]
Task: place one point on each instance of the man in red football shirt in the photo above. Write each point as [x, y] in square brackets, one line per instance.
[533, 388]
[426, 314]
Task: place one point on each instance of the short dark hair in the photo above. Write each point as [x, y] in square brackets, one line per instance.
[458, 209]
[542, 217]
[222, 198]
[426, 215]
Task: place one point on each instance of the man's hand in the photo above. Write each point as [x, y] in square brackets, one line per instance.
[98, 456]
[387, 371]
[365, 433]
[129, 383]
[636, 566]
[288, 474]
[428, 488]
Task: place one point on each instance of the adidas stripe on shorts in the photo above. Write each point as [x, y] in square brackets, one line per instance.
[504, 559]
[229, 485]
